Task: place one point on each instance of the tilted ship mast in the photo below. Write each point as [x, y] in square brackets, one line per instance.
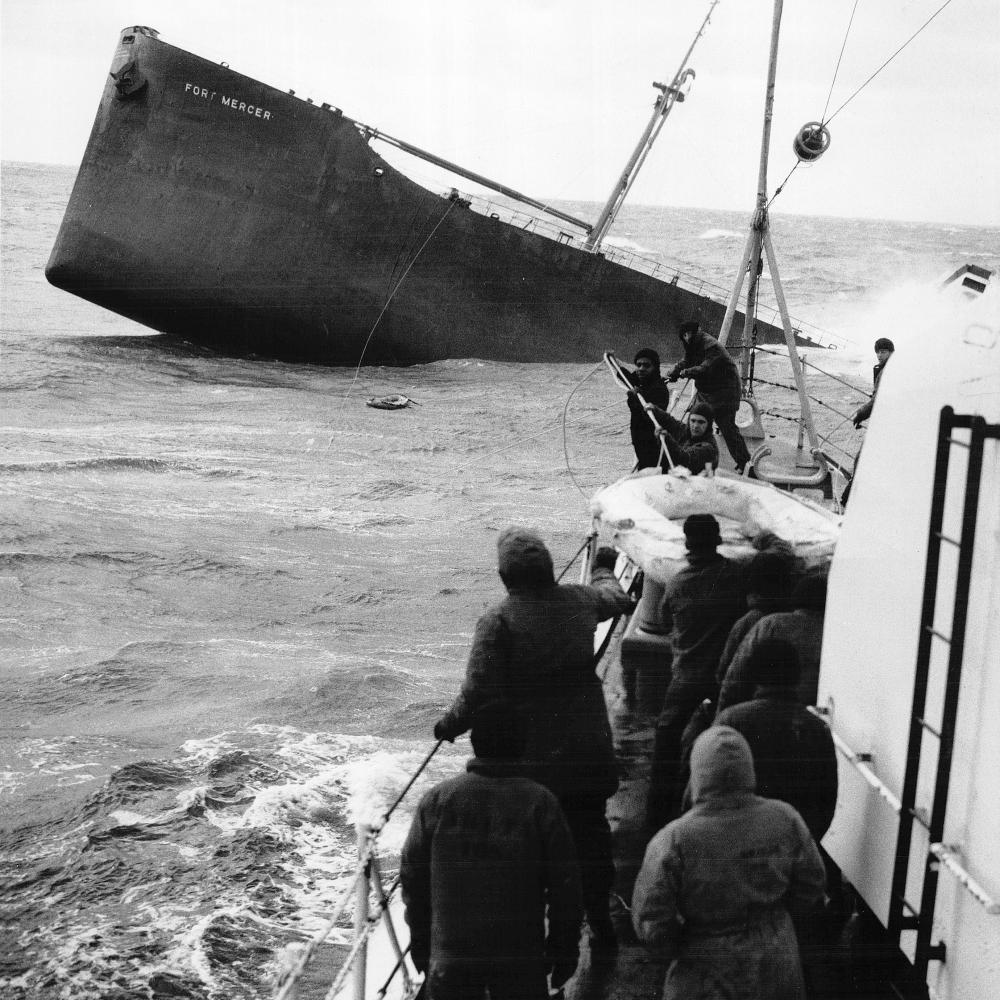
[669, 96]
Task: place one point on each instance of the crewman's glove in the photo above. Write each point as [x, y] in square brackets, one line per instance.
[445, 730]
[605, 558]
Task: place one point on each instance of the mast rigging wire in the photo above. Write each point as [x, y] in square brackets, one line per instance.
[839, 58]
[889, 60]
[826, 121]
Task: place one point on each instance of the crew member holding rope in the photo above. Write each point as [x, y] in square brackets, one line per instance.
[536, 649]
[649, 383]
[717, 380]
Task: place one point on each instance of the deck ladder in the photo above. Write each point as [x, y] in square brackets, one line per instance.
[903, 916]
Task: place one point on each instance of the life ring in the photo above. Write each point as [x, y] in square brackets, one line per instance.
[389, 402]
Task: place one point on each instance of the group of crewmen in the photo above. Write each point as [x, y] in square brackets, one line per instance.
[503, 862]
[717, 397]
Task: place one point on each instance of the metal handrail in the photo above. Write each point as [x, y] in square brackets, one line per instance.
[670, 273]
[948, 856]
[367, 876]
[860, 763]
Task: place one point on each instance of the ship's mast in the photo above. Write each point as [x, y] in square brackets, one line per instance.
[759, 246]
[669, 96]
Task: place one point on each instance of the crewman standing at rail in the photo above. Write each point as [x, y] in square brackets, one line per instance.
[536, 649]
[488, 859]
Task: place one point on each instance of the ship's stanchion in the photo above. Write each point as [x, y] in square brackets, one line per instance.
[364, 834]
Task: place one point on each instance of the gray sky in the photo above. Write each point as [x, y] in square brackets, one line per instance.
[550, 96]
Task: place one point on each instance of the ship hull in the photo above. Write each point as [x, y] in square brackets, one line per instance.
[221, 210]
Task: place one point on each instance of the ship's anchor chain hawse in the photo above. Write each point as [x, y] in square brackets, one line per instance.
[128, 81]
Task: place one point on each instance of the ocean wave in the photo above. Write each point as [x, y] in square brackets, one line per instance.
[272, 809]
[624, 243]
[111, 464]
[720, 234]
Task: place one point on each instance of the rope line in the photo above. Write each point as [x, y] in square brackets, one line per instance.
[565, 438]
[324, 932]
[409, 784]
[889, 60]
[378, 319]
[829, 375]
[839, 58]
[581, 549]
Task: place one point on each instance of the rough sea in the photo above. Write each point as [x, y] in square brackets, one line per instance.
[235, 598]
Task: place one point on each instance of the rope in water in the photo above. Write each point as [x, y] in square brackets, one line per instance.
[396, 287]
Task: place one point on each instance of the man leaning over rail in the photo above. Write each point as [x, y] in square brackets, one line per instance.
[536, 649]
[489, 854]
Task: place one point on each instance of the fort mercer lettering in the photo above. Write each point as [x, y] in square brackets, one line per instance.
[229, 102]
[249, 109]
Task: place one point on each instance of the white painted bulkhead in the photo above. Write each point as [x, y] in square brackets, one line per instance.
[951, 356]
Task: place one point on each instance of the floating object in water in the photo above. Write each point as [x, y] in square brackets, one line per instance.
[390, 402]
[811, 141]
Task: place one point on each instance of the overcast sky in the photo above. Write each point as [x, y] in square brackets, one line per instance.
[550, 96]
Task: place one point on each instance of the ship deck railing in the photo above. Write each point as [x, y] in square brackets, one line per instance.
[376, 909]
[669, 273]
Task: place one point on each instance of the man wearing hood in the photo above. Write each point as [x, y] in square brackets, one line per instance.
[487, 859]
[536, 649]
[718, 887]
[650, 385]
[717, 380]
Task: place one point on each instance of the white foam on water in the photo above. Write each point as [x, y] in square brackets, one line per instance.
[720, 234]
[624, 243]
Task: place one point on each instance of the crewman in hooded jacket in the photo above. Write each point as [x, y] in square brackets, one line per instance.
[536, 649]
[718, 887]
[487, 861]
[717, 380]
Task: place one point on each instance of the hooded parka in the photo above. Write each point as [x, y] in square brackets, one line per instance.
[536, 649]
[718, 886]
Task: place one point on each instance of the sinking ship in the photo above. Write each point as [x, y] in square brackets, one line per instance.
[239, 217]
